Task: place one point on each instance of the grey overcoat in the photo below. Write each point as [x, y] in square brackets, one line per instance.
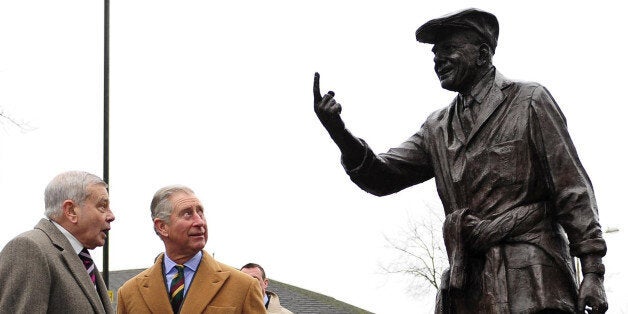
[41, 273]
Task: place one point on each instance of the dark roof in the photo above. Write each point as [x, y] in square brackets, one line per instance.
[295, 299]
[299, 300]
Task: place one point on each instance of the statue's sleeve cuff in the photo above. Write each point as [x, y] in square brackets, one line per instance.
[592, 263]
[595, 246]
[367, 156]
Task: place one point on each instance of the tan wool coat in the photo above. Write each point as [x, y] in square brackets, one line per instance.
[215, 288]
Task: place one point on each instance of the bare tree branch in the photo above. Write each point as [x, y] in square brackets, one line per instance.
[24, 127]
[421, 254]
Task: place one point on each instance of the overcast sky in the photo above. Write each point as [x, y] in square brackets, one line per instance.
[218, 97]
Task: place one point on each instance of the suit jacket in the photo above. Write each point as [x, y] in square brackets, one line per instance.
[41, 273]
[517, 165]
[215, 288]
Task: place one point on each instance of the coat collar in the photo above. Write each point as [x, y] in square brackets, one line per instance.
[207, 281]
[72, 262]
[493, 99]
[152, 287]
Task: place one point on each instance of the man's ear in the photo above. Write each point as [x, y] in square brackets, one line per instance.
[484, 55]
[70, 210]
[160, 227]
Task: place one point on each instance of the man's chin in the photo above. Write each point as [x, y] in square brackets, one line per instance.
[95, 245]
[199, 244]
[447, 84]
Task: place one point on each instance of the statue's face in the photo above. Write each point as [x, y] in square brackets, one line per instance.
[455, 61]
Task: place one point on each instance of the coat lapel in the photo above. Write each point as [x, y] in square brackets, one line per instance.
[494, 98]
[153, 288]
[72, 262]
[103, 292]
[208, 280]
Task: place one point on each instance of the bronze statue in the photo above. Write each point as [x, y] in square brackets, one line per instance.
[518, 203]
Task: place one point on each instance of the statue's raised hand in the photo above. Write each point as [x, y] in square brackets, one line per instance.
[327, 109]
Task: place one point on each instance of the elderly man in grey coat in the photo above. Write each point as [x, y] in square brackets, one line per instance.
[49, 269]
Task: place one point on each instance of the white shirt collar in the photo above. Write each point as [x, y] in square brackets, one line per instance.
[266, 299]
[76, 245]
[191, 264]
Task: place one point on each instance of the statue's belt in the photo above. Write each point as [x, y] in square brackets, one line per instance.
[464, 233]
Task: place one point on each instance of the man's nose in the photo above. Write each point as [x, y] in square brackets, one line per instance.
[199, 220]
[438, 58]
[110, 216]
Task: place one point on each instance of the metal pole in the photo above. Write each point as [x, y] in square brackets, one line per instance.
[105, 262]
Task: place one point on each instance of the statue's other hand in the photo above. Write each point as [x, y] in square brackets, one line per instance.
[326, 108]
[592, 297]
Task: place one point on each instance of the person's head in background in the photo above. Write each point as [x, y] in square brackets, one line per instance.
[257, 272]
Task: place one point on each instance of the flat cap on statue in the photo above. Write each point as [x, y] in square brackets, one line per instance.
[482, 22]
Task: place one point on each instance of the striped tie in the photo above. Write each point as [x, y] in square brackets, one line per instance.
[176, 289]
[89, 264]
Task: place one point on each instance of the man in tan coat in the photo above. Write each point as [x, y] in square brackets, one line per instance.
[186, 279]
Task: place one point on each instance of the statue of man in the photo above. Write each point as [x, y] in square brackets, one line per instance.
[518, 202]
